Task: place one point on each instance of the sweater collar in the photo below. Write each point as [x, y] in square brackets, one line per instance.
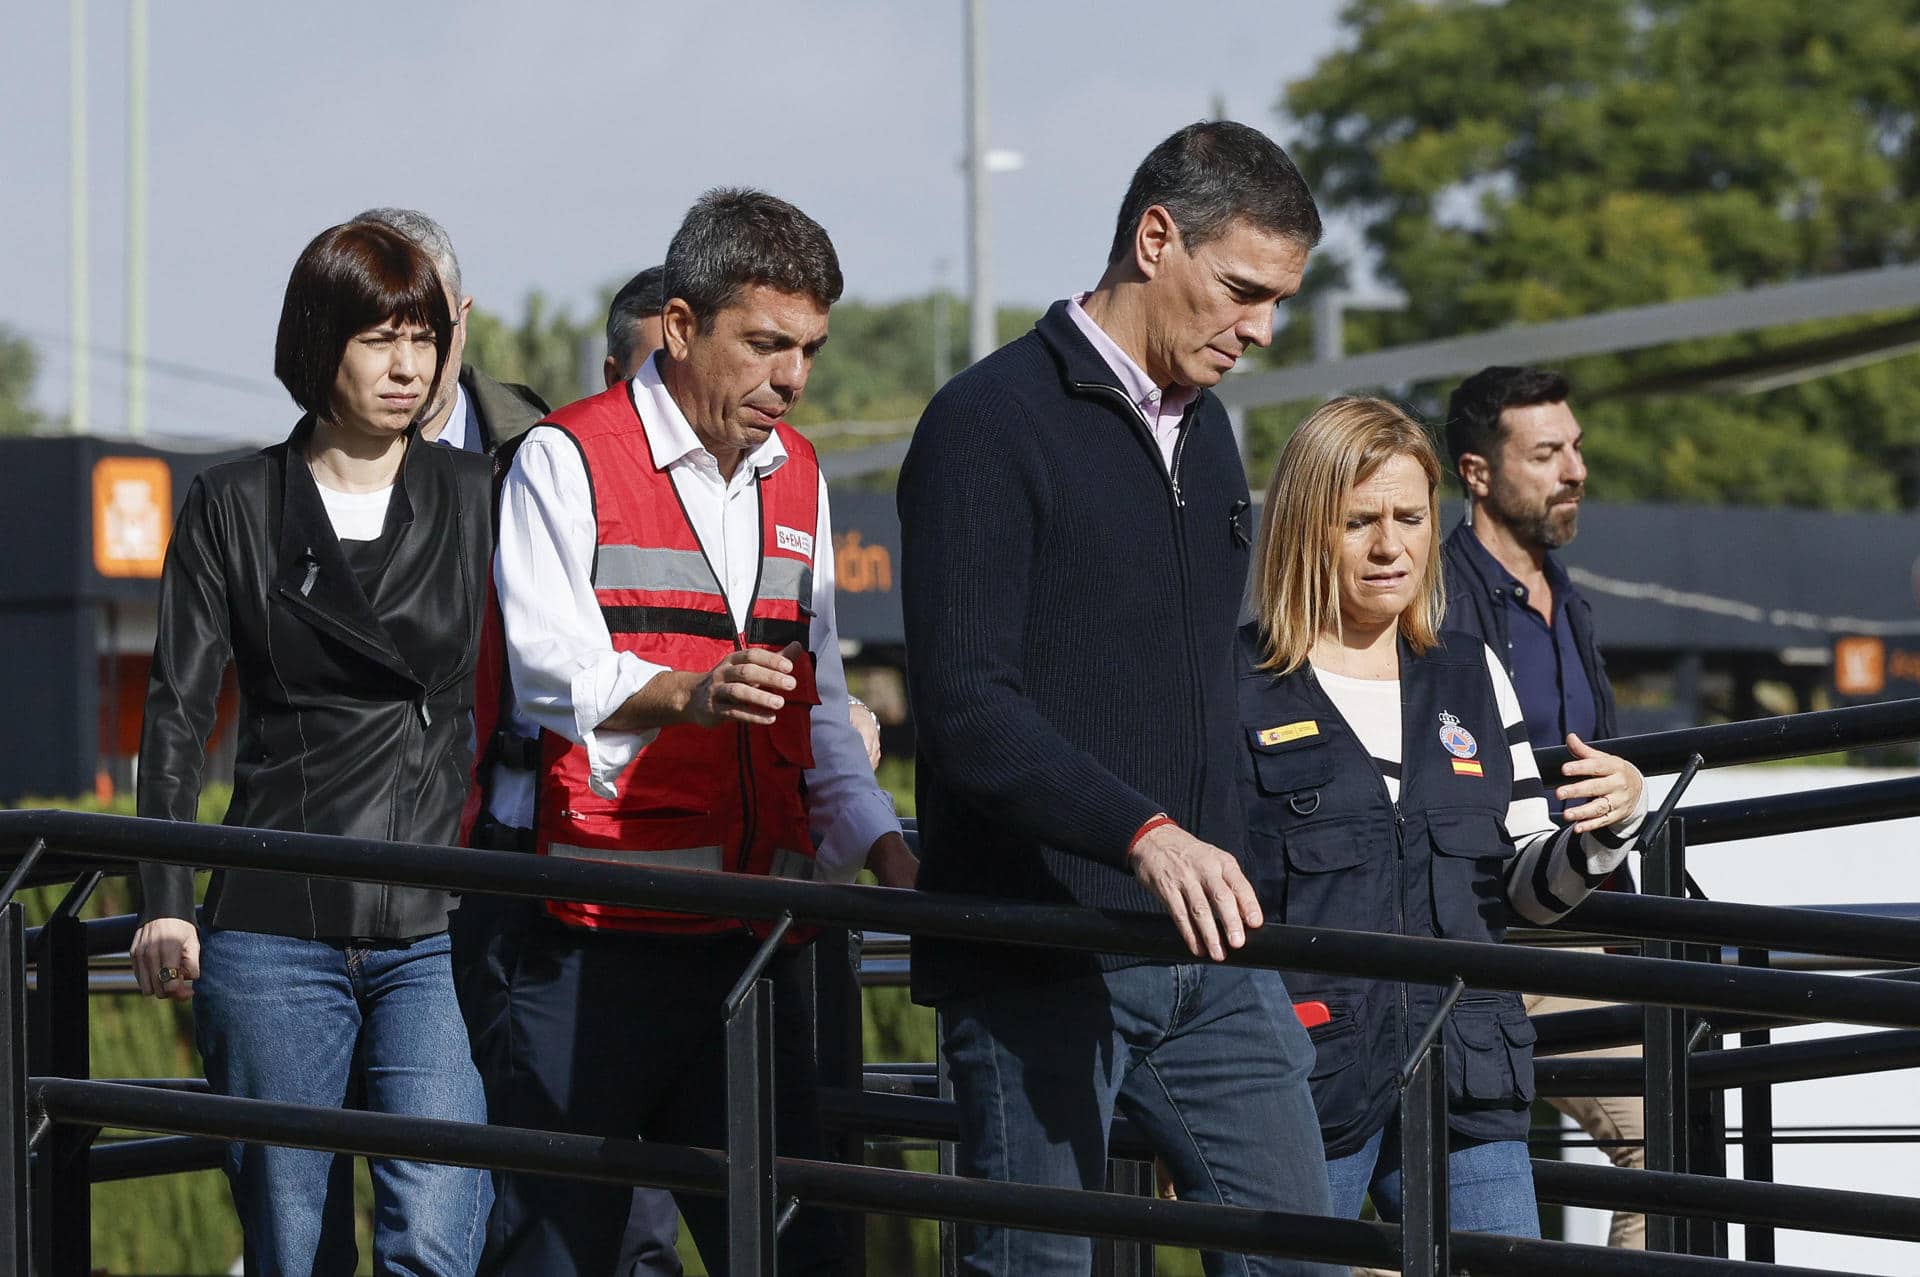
[1079, 363]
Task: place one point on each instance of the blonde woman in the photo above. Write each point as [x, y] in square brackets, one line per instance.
[1389, 786]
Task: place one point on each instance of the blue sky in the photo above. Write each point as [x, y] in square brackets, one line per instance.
[561, 142]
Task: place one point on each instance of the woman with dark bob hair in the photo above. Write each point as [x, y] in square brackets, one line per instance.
[342, 576]
[1389, 786]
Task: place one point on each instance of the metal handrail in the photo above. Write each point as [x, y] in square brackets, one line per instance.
[836, 1186]
[1665, 983]
[1794, 813]
[1757, 740]
[1733, 995]
[1662, 982]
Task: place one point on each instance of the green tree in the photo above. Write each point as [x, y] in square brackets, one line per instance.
[878, 365]
[880, 361]
[19, 364]
[1534, 160]
[542, 350]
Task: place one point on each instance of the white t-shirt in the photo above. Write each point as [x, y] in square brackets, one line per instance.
[1552, 870]
[356, 516]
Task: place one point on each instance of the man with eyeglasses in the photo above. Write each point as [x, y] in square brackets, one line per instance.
[473, 411]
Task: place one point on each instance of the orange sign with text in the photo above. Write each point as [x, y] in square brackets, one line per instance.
[861, 569]
[1859, 666]
[132, 515]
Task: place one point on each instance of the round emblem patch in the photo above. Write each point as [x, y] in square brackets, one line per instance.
[1455, 739]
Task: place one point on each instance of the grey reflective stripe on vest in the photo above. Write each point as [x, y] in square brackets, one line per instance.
[787, 579]
[791, 864]
[639, 567]
[786, 864]
[707, 858]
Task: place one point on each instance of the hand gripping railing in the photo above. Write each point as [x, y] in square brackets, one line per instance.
[77, 1104]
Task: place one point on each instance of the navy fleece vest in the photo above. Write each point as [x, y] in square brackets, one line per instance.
[1328, 849]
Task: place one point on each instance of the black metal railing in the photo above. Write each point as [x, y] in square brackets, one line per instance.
[57, 1110]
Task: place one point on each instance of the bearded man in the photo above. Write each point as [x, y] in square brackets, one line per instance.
[1516, 447]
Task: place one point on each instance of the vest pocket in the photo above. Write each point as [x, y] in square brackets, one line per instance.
[1336, 1044]
[1267, 870]
[1490, 1053]
[1288, 767]
[1339, 1084]
[792, 735]
[1331, 873]
[1470, 851]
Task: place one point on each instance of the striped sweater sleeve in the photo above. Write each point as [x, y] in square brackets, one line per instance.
[1552, 869]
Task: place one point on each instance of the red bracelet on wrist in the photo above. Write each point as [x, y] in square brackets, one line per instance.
[1149, 827]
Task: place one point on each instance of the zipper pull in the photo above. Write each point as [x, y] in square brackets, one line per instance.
[1178, 499]
[426, 715]
[313, 571]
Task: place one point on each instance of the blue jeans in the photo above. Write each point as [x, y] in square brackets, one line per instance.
[1189, 1053]
[1489, 1183]
[303, 1021]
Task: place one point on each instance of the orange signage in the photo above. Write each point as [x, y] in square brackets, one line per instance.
[132, 515]
[861, 569]
[1859, 666]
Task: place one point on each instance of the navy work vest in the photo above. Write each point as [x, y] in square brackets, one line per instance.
[1327, 849]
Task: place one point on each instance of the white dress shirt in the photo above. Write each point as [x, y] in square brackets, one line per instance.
[454, 433]
[567, 676]
[1161, 410]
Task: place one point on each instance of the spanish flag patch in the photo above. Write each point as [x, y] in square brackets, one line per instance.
[1290, 731]
[1466, 767]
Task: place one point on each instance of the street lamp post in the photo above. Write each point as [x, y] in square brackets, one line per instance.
[979, 265]
[78, 336]
[137, 217]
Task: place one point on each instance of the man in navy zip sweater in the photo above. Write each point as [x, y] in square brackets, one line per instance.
[1075, 531]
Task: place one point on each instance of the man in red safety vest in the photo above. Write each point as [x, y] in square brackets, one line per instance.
[665, 581]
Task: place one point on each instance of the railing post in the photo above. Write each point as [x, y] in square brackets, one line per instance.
[1425, 1220]
[949, 1162]
[1665, 874]
[1756, 1125]
[751, 1244]
[840, 1041]
[1125, 1259]
[752, 1233]
[1707, 1129]
[15, 1248]
[1423, 1150]
[58, 1047]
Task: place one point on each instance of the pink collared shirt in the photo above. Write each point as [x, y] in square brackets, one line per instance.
[1161, 410]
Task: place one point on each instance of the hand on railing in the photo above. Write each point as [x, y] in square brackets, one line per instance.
[1198, 883]
[1611, 786]
[166, 958]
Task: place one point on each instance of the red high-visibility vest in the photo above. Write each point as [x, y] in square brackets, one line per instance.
[717, 798]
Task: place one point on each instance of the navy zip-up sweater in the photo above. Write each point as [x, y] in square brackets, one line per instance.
[1070, 613]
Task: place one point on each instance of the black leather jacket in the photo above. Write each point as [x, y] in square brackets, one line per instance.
[355, 714]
